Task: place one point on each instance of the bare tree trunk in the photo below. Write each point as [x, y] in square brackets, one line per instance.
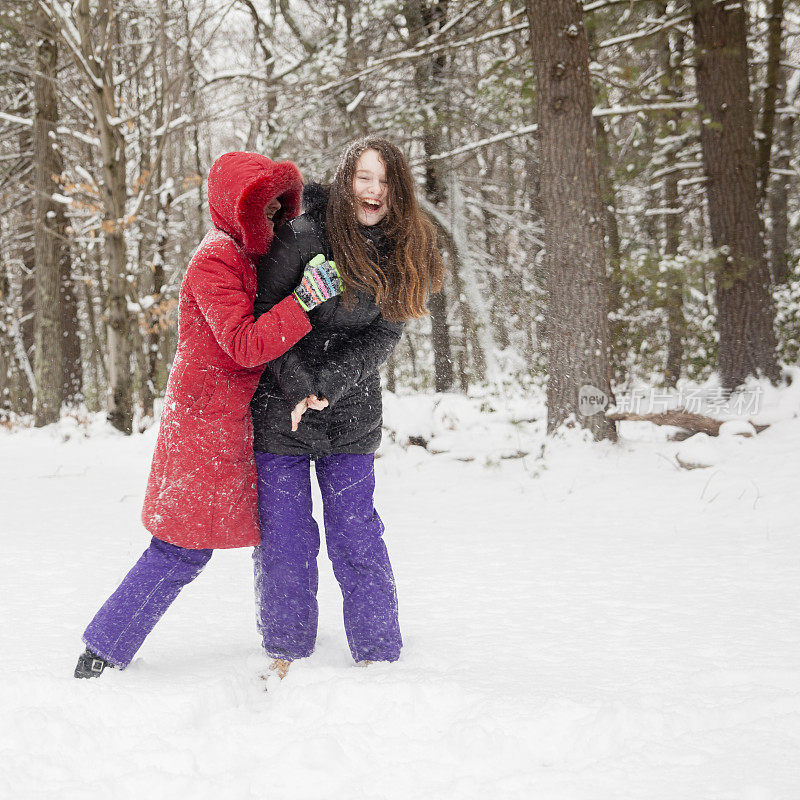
[779, 193]
[355, 119]
[114, 194]
[147, 89]
[440, 337]
[745, 314]
[71, 356]
[263, 33]
[767, 128]
[27, 321]
[577, 315]
[25, 318]
[96, 345]
[6, 358]
[608, 201]
[48, 238]
[496, 250]
[191, 73]
[18, 372]
[671, 87]
[72, 359]
[17, 384]
[423, 17]
[391, 372]
[10, 377]
[155, 315]
[462, 347]
[412, 357]
[476, 317]
[676, 322]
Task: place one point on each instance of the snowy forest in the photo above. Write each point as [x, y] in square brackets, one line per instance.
[625, 171]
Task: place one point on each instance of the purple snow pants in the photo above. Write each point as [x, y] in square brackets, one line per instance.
[146, 592]
[286, 561]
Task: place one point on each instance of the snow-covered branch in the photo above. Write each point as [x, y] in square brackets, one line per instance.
[15, 119]
[272, 81]
[414, 53]
[598, 4]
[613, 111]
[677, 167]
[645, 32]
[61, 18]
[61, 130]
[466, 148]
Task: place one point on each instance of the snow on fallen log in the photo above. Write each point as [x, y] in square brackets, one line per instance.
[691, 423]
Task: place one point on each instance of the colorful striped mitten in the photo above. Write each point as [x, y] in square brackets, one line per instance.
[321, 281]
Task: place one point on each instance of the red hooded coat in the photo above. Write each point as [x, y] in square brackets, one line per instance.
[202, 487]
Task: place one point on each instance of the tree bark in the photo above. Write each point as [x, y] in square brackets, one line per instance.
[575, 256]
[767, 128]
[440, 340]
[391, 371]
[71, 354]
[48, 238]
[25, 326]
[672, 89]
[745, 314]
[477, 330]
[193, 103]
[422, 18]
[114, 194]
[611, 237]
[12, 378]
[71, 357]
[779, 193]
[608, 201]
[20, 384]
[676, 322]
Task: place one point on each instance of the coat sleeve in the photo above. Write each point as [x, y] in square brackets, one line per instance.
[278, 274]
[351, 362]
[218, 291]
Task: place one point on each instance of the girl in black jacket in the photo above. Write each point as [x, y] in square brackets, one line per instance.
[322, 401]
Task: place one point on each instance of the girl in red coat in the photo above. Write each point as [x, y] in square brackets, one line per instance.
[201, 493]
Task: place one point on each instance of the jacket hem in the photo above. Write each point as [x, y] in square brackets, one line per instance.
[206, 546]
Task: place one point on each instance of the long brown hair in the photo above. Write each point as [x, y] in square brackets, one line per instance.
[400, 281]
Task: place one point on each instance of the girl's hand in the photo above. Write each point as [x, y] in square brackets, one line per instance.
[321, 281]
[297, 413]
[313, 402]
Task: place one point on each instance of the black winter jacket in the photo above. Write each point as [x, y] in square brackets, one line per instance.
[338, 360]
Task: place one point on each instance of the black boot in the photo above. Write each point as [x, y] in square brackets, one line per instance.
[91, 665]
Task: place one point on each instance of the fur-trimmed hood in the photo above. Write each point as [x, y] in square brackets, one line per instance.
[240, 185]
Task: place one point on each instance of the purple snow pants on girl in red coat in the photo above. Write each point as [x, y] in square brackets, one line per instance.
[120, 627]
[285, 562]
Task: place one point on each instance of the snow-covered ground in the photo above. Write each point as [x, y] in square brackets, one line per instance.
[587, 622]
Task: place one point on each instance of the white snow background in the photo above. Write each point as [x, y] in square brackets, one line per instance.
[587, 621]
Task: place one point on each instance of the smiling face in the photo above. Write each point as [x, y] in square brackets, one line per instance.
[370, 188]
[271, 209]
